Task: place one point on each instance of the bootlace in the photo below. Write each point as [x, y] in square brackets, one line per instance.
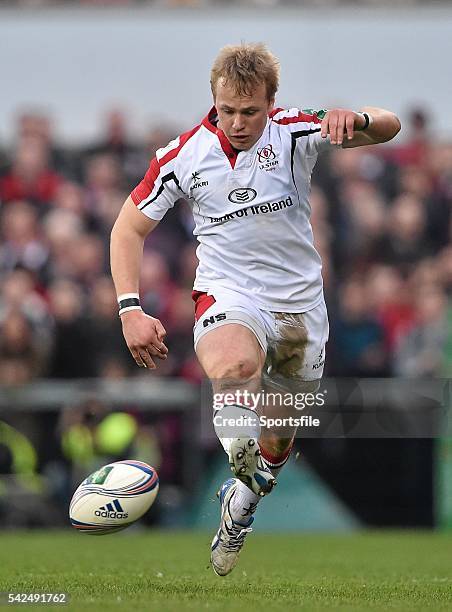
[236, 534]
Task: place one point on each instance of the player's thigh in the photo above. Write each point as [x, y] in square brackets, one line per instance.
[230, 352]
[297, 350]
[230, 336]
[295, 366]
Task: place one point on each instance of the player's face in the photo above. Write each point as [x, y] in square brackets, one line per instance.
[242, 118]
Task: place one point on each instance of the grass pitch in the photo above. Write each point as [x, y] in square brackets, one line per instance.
[149, 570]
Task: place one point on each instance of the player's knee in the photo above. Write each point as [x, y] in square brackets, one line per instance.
[237, 371]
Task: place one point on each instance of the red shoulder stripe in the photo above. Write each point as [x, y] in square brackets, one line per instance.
[145, 187]
[183, 139]
[301, 117]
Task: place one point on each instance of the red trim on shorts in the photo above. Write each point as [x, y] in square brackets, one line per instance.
[202, 303]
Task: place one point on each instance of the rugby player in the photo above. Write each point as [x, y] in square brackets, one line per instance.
[260, 315]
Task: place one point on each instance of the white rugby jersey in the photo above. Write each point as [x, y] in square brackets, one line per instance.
[251, 208]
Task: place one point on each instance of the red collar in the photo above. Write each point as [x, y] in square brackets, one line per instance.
[208, 122]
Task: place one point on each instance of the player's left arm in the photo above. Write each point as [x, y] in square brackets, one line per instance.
[352, 129]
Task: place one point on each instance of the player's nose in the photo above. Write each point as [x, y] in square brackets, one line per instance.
[238, 123]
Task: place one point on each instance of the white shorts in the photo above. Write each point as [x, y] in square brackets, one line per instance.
[293, 342]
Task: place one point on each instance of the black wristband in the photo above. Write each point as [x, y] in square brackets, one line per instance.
[366, 125]
[126, 303]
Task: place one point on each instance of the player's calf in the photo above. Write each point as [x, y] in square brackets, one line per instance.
[275, 461]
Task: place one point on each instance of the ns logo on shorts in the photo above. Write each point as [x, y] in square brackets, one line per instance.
[214, 319]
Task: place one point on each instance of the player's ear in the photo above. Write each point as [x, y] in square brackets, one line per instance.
[271, 104]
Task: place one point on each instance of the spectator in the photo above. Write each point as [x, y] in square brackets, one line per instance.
[30, 176]
[73, 343]
[22, 357]
[390, 298]
[405, 242]
[421, 353]
[110, 351]
[22, 241]
[116, 142]
[357, 336]
[37, 124]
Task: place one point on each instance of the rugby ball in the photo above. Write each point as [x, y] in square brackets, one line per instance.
[113, 497]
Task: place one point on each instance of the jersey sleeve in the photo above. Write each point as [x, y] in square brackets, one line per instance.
[316, 144]
[305, 126]
[161, 186]
[159, 189]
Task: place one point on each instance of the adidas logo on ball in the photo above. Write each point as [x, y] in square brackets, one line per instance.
[108, 511]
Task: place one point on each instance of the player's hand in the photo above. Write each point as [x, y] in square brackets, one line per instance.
[144, 337]
[340, 122]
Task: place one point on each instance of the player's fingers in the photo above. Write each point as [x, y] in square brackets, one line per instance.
[156, 352]
[136, 355]
[161, 333]
[162, 348]
[160, 330]
[147, 359]
[333, 128]
[340, 129]
[324, 126]
[350, 125]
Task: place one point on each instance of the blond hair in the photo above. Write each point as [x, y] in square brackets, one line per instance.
[246, 66]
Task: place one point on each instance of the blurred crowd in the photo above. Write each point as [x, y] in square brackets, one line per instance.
[59, 315]
[382, 223]
[58, 309]
[382, 218]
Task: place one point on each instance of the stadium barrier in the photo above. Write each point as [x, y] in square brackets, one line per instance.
[73, 426]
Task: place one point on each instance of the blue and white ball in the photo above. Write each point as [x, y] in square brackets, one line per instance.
[114, 497]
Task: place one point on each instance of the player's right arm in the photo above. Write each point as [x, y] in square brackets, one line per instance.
[143, 334]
